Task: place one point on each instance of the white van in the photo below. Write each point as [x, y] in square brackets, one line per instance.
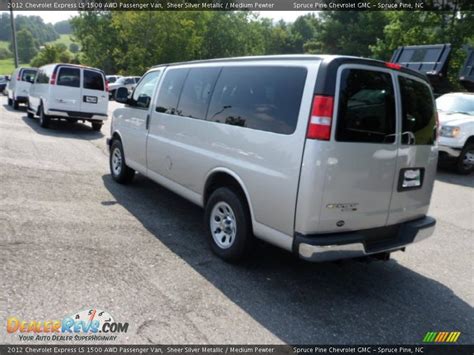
[71, 92]
[328, 157]
[19, 86]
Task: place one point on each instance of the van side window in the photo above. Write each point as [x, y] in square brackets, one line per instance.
[144, 90]
[418, 114]
[170, 90]
[42, 77]
[264, 98]
[93, 80]
[69, 77]
[366, 111]
[197, 91]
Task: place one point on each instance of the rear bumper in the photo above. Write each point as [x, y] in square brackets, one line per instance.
[21, 99]
[450, 151]
[87, 116]
[325, 247]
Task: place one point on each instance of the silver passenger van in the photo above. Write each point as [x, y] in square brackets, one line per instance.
[328, 157]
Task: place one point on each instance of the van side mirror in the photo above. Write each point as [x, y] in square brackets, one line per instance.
[121, 95]
[143, 101]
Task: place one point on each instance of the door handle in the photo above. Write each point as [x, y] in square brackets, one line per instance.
[147, 124]
[411, 138]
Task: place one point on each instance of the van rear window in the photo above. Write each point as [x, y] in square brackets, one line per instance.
[69, 77]
[257, 97]
[418, 113]
[28, 75]
[93, 80]
[366, 111]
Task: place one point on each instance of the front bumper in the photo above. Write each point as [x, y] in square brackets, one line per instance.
[334, 246]
[450, 151]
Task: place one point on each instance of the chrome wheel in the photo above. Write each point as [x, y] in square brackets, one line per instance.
[468, 160]
[223, 225]
[116, 162]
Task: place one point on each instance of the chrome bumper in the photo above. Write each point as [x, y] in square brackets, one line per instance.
[360, 243]
[452, 152]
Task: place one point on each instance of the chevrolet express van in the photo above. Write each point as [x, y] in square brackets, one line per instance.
[19, 85]
[70, 92]
[328, 157]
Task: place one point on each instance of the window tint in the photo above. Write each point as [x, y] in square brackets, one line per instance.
[93, 80]
[263, 98]
[42, 77]
[366, 111]
[28, 75]
[196, 92]
[69, 77]
[144, 91]
[418, 114]
[170, 90]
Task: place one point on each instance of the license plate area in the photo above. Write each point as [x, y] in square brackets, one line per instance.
[410, 179]
[90, 99]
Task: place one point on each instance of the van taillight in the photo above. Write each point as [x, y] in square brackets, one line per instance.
[107, 85]
[53, 79]
[320, 121]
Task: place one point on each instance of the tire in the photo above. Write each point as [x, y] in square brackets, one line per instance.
[96, 126]
[112, 95]
[461, 166]
[43, 119]
[29, 114]
[15, 104]
[10, 102]
[227, 210]
[118, 168]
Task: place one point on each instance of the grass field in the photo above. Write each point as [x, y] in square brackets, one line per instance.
[7, 65]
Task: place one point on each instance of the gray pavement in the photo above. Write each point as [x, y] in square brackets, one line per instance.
[72, 239]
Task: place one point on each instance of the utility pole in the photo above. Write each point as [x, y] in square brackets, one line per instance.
[12, 20]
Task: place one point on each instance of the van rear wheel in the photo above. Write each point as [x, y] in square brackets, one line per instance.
[118, 168]
[96, 126]
[10, 102]
[228, 225]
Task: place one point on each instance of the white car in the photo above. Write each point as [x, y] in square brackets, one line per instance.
[128, 82]
[305, 152]
[112, 78]
[456, 141]
[19, 85]
[71, 92]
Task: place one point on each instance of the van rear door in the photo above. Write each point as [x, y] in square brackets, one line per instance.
[94, 98]
[361, 158]
[417, 153]
[66, 89]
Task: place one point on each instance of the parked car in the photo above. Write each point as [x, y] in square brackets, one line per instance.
[305, 152]
[71, 92]
[19, 86]
[112, 78]
[3, 83]
[128, 82]
[456, 142]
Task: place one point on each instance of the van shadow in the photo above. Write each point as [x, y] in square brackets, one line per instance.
[64, 129]
[302, 303]
[447, 174]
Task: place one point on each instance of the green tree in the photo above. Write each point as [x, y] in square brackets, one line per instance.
[74, 47]
[51, 53]
[27, 46]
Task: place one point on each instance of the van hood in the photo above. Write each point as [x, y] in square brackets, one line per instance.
[454, 119]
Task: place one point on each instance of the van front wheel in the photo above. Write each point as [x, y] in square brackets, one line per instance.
[118, 168]
[228, 225]
[10, 102]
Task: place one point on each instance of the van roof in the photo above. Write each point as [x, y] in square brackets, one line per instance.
[326, 59]
[73, 65]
